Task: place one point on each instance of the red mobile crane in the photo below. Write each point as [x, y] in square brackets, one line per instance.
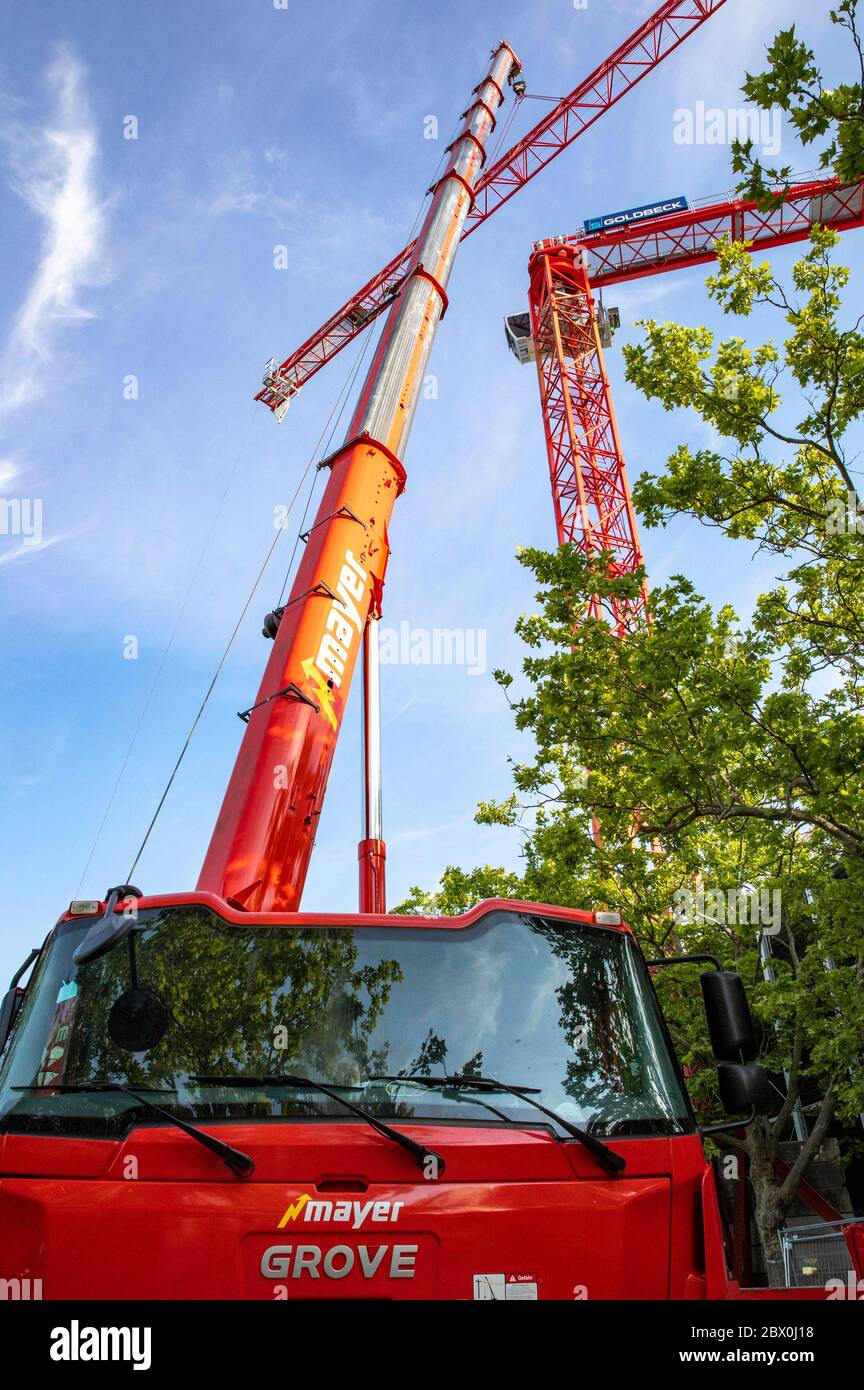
[205, 1095]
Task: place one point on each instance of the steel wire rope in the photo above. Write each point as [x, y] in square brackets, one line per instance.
[505, 129]
[339, 406]
[165, 654]
[343, 396]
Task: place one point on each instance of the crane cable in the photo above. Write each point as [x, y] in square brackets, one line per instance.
[343, 397]
[505, 129]
[331, 426]
[208, 538]
[313, 458]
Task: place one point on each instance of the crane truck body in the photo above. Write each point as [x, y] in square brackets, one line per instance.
[213, 1095]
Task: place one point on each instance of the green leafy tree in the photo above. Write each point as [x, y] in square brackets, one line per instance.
[834, 115]
[458, 891]
[740, 743]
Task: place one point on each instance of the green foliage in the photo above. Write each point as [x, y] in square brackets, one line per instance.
[458, 891]
[740, 741]
[830, 115]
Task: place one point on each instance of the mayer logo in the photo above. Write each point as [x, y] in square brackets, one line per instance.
[343, 626]
[314, 1211]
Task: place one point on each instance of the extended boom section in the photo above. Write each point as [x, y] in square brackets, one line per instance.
[259, 854]
[658, 36]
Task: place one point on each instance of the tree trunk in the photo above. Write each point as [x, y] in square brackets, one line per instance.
[770, 1217]
[769, 1207]
[772, 1197]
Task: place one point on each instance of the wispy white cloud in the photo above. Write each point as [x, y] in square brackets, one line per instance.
[29, 549]
[418, 833]
[237, 187]
[662, 562]
[638, 295]
[9, 471]
[52, 168]
[319, 233]
[375, 115]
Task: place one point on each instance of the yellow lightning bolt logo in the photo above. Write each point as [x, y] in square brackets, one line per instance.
[325, 692]
[293, 1211]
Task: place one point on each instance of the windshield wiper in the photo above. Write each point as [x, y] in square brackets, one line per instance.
[484, 1104]
[606, 1157]
[422, 1156]
[239, 1163]
[461, 1080]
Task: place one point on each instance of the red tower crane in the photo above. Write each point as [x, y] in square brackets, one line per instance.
[565, 331]
[590, 491]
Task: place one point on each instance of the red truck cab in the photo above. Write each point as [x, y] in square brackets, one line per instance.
[230, 1024]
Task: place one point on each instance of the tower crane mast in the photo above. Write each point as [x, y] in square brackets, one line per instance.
[564, 333]
[590, 491]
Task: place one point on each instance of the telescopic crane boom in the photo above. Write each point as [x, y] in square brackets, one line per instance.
[260, 849]
[259, 853]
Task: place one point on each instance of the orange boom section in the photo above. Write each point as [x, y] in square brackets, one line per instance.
[263, 839]
[261, 844]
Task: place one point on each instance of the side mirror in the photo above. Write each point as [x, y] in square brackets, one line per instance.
[12, 1000]
[730, 1022]
[111, 928]
[744, 1087]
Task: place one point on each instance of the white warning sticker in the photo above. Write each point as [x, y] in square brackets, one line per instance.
[504, 1287]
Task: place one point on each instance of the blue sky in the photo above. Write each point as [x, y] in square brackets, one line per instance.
[153, 257]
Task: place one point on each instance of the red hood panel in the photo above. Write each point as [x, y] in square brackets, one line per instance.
[334, 1211]
[312, 1153]
[560, 1240]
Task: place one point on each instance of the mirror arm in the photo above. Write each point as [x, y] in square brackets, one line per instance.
[108, 931]
[729, 1124]
[686, 960]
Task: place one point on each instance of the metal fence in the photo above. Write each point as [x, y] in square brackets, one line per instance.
[816, 1253]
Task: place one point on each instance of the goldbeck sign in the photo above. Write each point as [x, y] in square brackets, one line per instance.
[610, 220]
